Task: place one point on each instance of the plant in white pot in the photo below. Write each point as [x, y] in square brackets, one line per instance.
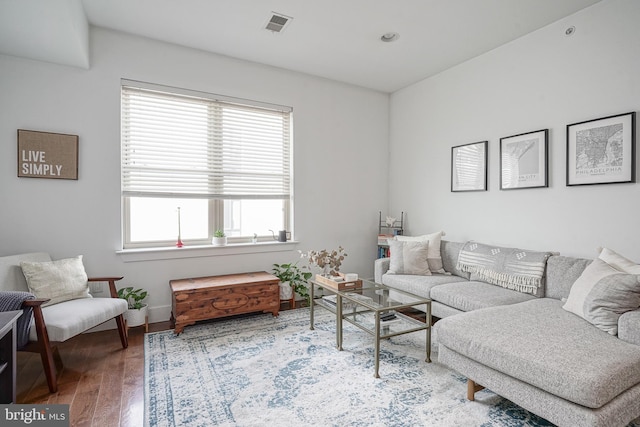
[292, 280]
[219, 238]
[136, 315]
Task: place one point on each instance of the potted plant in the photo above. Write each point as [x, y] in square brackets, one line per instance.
[136, 315]
[292, 279]
[219, 238]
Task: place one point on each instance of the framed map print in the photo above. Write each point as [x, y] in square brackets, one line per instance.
[602, 151]
[523, 160]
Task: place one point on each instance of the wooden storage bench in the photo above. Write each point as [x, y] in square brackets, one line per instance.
[205, 298]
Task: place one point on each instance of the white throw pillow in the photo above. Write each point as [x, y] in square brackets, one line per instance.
[602, 293]
[619, 262]
[434, 258]
[60, 280]
[409, 258]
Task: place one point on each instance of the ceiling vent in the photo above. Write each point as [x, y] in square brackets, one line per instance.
[277, 22]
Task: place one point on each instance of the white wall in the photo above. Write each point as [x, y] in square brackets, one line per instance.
[543, 80]
[340, 137]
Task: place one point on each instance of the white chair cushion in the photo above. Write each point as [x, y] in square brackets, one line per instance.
[70, 318]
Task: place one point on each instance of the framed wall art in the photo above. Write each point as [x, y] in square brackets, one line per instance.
[469, 167]
[602, 151]
[524, 160]
[47, 155]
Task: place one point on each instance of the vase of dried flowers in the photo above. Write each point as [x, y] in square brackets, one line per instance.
[329, 261]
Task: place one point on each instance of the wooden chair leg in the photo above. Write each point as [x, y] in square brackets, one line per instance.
[472, 388]
[122, 330]
[46, 352]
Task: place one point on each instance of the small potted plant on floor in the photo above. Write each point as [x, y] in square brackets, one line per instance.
[136, 315]
[292, 280]
[219, 238]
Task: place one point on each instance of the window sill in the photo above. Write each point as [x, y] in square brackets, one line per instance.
[153, 254]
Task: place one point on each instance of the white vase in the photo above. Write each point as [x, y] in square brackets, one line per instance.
[219, 241]
[285, 291]
[136, 317]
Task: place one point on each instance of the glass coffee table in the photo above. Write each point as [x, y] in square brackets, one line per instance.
[373, 310]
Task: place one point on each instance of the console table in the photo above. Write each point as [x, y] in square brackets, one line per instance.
[8, 321]
[205, 298]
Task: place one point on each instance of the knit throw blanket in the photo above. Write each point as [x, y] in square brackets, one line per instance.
[511, 268]
[12, 300]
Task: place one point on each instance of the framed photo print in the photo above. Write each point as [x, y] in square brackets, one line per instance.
[469, 167]
[602, 151]
[524, 160]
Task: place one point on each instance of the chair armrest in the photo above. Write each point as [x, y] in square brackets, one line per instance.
[629, 327]
[36, 302]
[380, 267]
[112, 284]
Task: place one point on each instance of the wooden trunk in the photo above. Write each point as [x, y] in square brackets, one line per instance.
[205, 298]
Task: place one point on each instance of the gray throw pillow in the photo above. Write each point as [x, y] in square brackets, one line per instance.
[602, 294]
[611, 297]
[409, 258]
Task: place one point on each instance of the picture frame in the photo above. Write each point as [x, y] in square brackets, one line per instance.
[524, 160]
[469, 167]
[602, 151]
[47, 155]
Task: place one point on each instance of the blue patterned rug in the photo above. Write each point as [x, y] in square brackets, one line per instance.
[261, 370]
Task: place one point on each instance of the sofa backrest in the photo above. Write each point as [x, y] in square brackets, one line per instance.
[449, 252]
[562, 272]
[11, 277]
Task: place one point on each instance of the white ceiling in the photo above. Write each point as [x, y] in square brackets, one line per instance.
[335, 39]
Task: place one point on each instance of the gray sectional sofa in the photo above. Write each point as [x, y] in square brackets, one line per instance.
[529, 349]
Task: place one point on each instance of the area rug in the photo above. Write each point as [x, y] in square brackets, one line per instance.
[263, 370]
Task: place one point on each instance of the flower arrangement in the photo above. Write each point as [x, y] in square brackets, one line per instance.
[329, 261]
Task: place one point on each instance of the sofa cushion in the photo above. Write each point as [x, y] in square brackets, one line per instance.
[60, 280]
[602, 293]
[434, 257]
[87, 313]
[449, 252]
[418, 285]
[561, 273]
[472, 295]
[543, 345]
[409, 257]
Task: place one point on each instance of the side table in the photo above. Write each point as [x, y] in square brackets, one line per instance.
[8, 321]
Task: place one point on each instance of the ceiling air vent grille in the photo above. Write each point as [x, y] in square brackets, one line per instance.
[277, 22]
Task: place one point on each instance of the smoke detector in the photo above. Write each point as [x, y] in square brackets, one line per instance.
[277, 22]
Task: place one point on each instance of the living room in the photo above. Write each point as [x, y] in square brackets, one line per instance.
[357, 151]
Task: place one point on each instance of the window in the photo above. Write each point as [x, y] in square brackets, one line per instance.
[214, 162]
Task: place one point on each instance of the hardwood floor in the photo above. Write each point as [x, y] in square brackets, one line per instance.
[102, 382]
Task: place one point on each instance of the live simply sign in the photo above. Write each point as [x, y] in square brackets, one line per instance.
[47, 155]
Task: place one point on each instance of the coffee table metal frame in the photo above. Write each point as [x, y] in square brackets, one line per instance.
[361, 308]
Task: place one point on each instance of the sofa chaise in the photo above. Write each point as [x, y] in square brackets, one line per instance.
[528, 348]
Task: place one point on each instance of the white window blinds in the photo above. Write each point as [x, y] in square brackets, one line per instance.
[199, 146]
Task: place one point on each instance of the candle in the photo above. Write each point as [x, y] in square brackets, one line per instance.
[179, 243]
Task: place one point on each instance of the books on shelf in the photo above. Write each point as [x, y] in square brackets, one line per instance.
[382, 238]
